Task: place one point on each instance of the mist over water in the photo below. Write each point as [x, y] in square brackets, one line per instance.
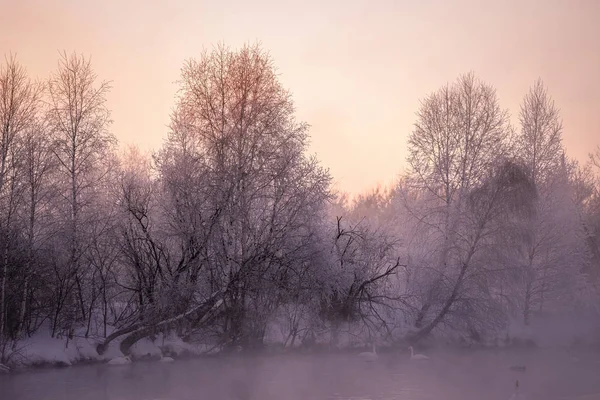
[464, 375]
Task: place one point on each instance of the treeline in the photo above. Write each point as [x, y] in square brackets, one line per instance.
[232, 226]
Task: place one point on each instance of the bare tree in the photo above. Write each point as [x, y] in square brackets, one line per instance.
[539, 143]
[372, 205]
[79, 120]
[459, 138]
[544, 259]
[356, 277]
[460, 132]
[19, 103]
[235, 123]
[591, 206]
[38, 165]
[595, 157]
[232, 213]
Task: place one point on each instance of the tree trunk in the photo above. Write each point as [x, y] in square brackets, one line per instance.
[80, 298]
[3, 288]
[91, 310]
[104, 310]
[421, 315]
[23, 308]
[213, 302]
[205, 310]
[442, 314]
[527, 305]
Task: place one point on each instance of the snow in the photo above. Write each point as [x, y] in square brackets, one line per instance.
[174, 345]
[145, 348]
[112, 351]
[120, 361]
[551, 330]
[42, 349]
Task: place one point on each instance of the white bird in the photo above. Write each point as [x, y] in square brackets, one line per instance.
[120, 361]
[414, 356]
[166, 359]
[369, 356]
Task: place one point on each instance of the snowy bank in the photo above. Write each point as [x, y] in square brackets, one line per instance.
[548, 331]
[40, 350]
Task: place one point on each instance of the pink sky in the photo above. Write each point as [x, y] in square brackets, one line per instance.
[357, 69]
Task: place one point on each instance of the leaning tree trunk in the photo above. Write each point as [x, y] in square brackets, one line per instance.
[141, 330]
[205, 310]
[101, 348]
[426, 330]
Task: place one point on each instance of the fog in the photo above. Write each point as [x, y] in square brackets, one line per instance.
[226, 264]
[448, 375]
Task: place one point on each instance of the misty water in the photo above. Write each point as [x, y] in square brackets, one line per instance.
[549, 374]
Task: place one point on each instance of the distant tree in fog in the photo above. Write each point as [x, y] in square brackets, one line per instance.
[555, 253]
[592, 207]
[372, 206]
[595, 157]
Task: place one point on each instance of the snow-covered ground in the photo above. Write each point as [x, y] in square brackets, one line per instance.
[42, 350]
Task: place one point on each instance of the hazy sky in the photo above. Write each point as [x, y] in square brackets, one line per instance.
[357, 69]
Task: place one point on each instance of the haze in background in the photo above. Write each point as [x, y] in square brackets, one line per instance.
[356, 69]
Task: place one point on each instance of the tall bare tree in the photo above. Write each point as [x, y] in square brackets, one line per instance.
[19, 104]
[80, 121]
[553, 255]
[38, 164]
[539, 143]
[459, 138]
[236, 124]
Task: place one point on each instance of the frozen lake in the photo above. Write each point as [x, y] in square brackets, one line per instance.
[449, 376]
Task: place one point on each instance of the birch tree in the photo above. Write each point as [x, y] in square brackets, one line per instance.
[38, 166]
[19, 104]
[80, 123]
[554, 255]
[539, 142]
[261, 193]
[459, 137]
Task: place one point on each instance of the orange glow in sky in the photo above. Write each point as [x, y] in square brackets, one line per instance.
[357, 69]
